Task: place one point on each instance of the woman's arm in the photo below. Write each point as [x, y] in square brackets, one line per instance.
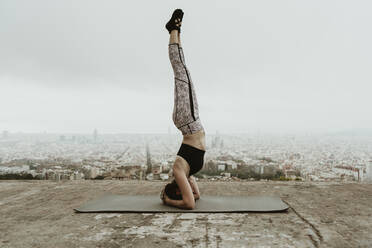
[176, 203]
[188, 200]
[167, 201]
[194, 187]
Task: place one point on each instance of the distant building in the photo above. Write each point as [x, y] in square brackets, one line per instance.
[95, 135]
[269, 170]
[149, 176]
[129, 172]
[368, 175]
[226, 174]
[157, 169]
[93, 172]
[134, 171]
[290, 174]
[57, 177]
[348, 172]
[210, 165]
[148, 159]
[231, 165]
[217, 142]
[78, 176]
[221, 167]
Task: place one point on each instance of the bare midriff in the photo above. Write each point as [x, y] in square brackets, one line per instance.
[196, 140]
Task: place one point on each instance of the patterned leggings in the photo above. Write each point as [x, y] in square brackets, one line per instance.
[185, 111]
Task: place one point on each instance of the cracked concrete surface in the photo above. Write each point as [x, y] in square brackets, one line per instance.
[321, 214]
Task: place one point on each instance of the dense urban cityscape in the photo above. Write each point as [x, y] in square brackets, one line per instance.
[307, 157]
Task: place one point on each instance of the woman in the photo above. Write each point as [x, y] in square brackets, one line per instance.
[190, 157]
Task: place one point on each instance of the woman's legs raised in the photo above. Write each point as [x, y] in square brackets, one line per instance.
[186, 111]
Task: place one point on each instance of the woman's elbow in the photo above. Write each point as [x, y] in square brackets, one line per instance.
[190, 205]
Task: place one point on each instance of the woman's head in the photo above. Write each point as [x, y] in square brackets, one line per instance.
[173, 191]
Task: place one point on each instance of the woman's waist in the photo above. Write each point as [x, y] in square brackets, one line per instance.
[196, 140]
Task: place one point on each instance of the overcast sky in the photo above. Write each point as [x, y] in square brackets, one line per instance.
[72, 66]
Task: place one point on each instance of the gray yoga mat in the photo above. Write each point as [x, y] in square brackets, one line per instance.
[206, 204]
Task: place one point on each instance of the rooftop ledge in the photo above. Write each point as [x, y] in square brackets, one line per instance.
[322, 214]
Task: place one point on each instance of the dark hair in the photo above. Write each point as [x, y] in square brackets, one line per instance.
[173, 191]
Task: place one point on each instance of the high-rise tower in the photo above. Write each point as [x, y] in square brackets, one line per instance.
[148, 159]
[95, 135]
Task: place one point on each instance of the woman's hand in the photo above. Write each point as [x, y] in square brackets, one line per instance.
[163, 195]
[166, 199]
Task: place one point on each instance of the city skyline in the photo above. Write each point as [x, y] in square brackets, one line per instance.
[313, 157]
[359, 132]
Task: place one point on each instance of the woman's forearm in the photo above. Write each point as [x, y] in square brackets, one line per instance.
[194, 186]
[176, 203]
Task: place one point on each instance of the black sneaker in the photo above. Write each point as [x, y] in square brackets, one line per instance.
[175, 22]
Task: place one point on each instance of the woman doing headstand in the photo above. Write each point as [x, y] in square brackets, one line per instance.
[183, 191]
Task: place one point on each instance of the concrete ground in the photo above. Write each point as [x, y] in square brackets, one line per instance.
[40, 214]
